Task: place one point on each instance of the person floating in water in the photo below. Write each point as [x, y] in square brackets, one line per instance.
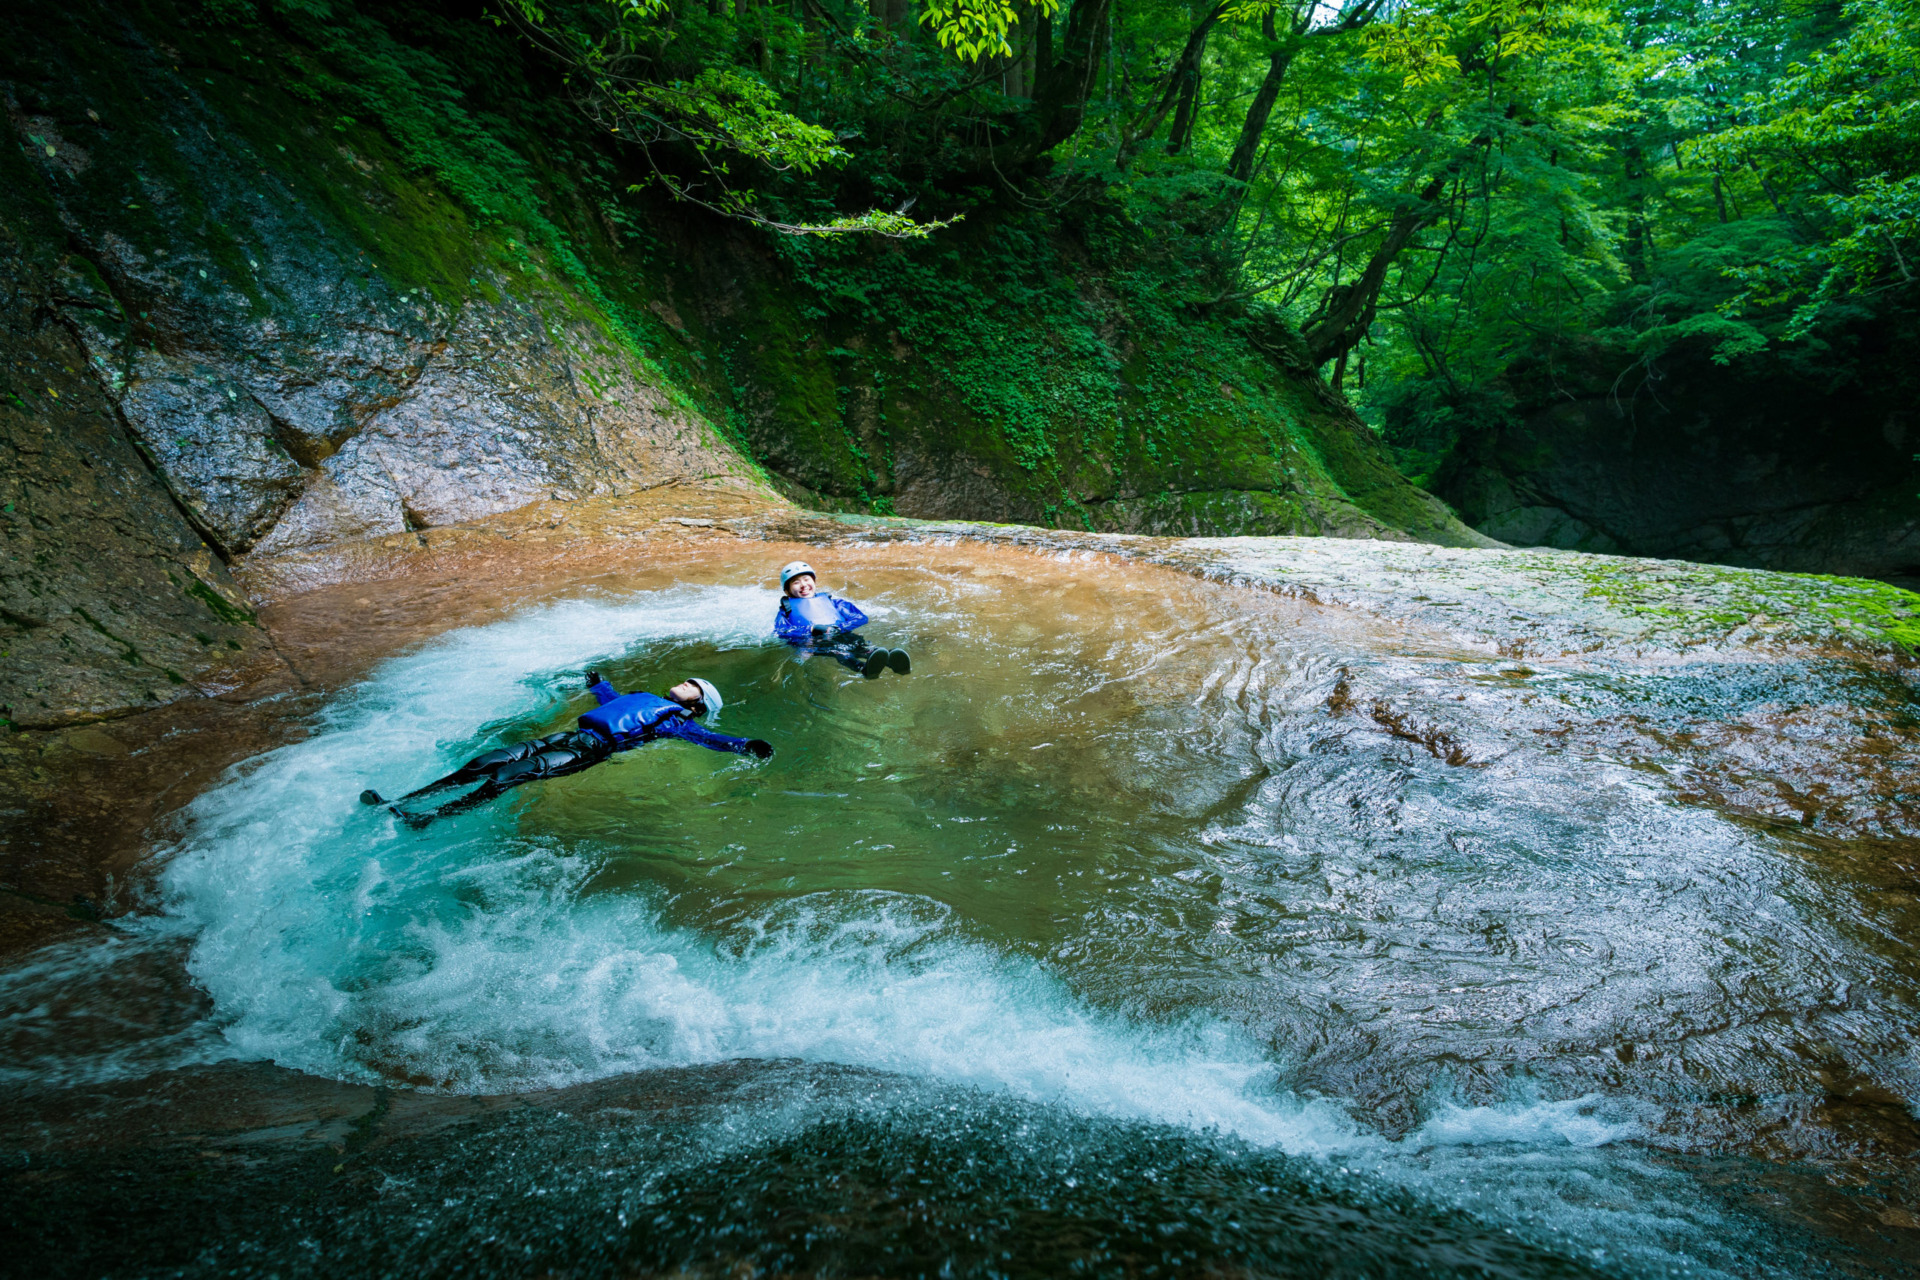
[619, 723]
[814, 622]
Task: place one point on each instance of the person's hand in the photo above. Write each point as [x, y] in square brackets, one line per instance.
[760, 749]
[593, 678]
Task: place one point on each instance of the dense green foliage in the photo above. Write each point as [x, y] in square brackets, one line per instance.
[1435, 192]
[1711, 185]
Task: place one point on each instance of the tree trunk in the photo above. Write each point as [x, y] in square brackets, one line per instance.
[1636, 238]
[1183, 79]
[1183, 115]
[1060, 97]
[1247, 149]
[1346, 312]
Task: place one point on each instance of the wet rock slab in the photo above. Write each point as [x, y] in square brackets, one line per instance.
[110, 600]
[740, 1168]
[1517, 602]
[1507, 602]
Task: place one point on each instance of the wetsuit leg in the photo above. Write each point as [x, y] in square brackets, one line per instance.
[483, 766]
[850, 651]
[554, 756]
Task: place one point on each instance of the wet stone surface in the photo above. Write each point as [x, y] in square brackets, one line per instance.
[738, 1168]
[111, 602]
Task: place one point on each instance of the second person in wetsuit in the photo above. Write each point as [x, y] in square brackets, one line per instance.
[814, 622]
[620, 723]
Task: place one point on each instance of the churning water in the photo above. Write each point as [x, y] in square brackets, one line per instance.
[1124, 847]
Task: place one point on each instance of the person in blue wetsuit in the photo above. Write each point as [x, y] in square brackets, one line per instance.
[814, 622]
[620, 723]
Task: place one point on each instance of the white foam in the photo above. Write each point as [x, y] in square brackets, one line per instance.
[1587, 1121]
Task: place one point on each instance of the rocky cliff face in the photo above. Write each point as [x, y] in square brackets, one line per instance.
[349, 406]
[1755, 468]
[109, 599]
[299, 377]
[231, 331]
[281, 276]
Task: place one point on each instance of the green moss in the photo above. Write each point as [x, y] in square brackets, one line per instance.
[1707, 599]
[219, 606]
[1076, 390]
[1872, 606]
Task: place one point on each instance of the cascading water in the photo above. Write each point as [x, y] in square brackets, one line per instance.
[1124, 846]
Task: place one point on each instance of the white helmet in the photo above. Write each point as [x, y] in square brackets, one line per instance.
[708, 695]
[794, 570]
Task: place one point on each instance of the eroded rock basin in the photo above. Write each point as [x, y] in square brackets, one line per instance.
[1152, 924]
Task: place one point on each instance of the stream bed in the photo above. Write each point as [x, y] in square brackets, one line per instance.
[1150, 926]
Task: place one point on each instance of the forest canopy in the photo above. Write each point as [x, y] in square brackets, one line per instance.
[1433, 189]
[1430, 191]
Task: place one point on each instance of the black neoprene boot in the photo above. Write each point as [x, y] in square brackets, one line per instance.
[876, 663]
[899, 661]
[371, 797]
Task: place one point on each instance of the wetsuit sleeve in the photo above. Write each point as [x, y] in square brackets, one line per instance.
[688, 729]
[850, 615]
[603, 693]
[788, 627]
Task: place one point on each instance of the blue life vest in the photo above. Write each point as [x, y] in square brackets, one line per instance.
[632, 715]
[814, 610]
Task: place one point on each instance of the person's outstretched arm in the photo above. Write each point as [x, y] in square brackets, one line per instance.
[687, 729]
[850, 615]
[602, 692]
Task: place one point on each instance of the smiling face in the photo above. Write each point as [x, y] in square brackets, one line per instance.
[800, 586]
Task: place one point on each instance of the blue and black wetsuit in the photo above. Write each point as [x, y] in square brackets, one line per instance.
[826, 625]
[620, 723]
